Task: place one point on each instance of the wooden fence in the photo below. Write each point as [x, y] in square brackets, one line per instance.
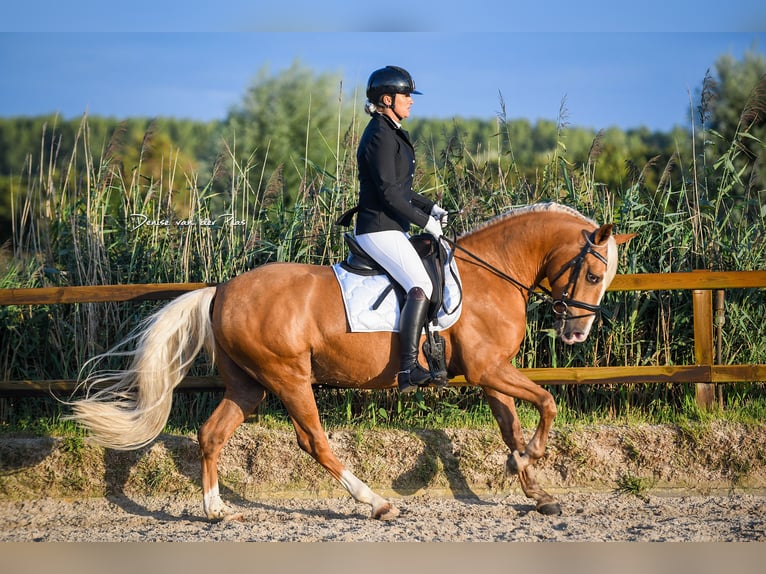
[708, 297]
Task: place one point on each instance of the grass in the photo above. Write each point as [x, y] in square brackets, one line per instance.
[78, 227]
[426, 410]
[634, 485]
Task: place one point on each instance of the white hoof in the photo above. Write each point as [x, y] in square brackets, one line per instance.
[214, 507]
[386, 511]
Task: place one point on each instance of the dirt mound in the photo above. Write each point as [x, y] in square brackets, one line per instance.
[260, 462]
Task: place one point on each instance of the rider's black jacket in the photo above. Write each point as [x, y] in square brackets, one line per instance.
[386, 161]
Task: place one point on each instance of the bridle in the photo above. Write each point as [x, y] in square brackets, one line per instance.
[561, 306]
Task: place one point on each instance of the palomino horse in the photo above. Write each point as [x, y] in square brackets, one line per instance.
[281, 328]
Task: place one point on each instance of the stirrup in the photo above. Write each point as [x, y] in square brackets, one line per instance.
[413, 379]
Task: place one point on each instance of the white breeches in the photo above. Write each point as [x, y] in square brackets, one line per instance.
[393, 251]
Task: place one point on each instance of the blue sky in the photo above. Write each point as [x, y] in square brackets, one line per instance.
[609, 66]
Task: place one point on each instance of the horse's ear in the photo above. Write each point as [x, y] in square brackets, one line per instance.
[601, 234]
[604, 232]
[621, 238]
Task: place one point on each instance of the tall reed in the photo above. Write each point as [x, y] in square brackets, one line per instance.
[99, 224]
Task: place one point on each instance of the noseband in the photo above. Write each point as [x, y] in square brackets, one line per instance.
[561, 305]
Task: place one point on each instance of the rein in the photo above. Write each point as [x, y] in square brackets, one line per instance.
[560, 306]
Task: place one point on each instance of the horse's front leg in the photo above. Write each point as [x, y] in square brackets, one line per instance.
[509, 381]
[503, 409]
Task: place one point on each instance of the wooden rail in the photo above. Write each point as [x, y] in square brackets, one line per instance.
[96, 293]
[704, 373]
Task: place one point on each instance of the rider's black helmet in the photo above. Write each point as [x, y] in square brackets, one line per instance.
[389, 80]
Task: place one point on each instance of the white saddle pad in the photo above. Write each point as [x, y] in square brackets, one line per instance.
[360, 292]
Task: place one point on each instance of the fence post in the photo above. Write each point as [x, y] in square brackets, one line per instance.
[702, 303]
[719, 310]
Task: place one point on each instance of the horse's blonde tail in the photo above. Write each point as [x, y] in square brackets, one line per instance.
[127, 409]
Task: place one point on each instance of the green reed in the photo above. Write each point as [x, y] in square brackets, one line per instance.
[85, 220]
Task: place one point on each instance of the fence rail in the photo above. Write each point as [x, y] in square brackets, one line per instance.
[708, 298]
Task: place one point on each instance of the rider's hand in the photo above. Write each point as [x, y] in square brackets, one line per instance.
[439, 214]
[434, 227]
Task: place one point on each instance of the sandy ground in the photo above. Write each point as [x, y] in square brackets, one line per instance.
[589, 517]
[699, 485]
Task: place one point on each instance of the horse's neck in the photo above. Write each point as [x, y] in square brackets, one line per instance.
[520, 248]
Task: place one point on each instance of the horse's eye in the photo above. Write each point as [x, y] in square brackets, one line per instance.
[591, 278]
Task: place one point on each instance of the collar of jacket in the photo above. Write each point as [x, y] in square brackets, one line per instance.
[394, 123]
[398, 127]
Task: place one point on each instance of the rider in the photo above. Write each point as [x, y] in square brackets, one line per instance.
[388, 207]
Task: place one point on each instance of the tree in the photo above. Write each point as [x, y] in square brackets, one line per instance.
[734, 109]
[729, 180]
[285, 121]
[733, 93]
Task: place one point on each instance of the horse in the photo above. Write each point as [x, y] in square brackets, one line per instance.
[280, 328]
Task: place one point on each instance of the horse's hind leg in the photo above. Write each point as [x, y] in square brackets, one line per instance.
[503, 408]
[301, 406]
[242, 397]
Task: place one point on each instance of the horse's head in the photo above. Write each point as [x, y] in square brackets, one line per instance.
[579, 276]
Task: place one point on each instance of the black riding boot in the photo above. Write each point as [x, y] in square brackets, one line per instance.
[411, 322]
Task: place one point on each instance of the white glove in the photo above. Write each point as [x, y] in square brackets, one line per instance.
[434, 227]
[439, 214]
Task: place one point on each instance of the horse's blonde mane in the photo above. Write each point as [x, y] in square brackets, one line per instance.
[534, 208]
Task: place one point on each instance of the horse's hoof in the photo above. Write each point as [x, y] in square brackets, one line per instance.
[386, 512]
[216, 515]
[549, 508]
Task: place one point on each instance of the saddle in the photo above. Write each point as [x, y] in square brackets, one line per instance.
[432, 254]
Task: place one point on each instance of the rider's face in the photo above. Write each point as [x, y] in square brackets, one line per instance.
[402, 104]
